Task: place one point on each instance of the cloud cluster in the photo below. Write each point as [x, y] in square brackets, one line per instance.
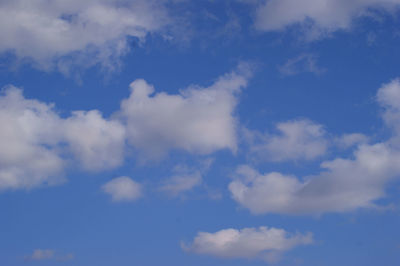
[94, 31]
[343, 184]
[251, 243]
[37, 144]
[317, 17]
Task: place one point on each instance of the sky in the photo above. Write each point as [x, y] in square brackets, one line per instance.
[178, 132]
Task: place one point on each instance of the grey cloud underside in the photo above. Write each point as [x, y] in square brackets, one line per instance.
[344, 184]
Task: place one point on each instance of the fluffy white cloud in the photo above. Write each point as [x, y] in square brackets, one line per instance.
[343, 184]
[298, 140]
[123, 189]
[28, 134]
[93, 31]
[317, 16]
[198, 120]
[35, 142]
[97, 143]
[261, 243]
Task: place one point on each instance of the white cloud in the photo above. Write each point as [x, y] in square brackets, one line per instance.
[29, 131]
[96, 31]
[123, 189]
[316, 16]
[260, 243]
[97, 143]
[36, 143]
[301, 63]
[343, 184]
[389, 97]
[298, 140]
[197, 120]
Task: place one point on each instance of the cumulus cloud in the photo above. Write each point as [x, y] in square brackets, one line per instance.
[251, 243]
[317, 17]
[299, 139]
[102, 144]
[123, 189]
[36, 143]
[95, 31]
[197, 120]
[28, 135]
[344, 184]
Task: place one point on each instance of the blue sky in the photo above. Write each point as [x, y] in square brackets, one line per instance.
[178, 132]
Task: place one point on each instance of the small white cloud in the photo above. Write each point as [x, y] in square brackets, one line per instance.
[298, 140]
[123, 189]
[251, 243]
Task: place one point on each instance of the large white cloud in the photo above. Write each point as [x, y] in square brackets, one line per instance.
[95, 30]
[198, 120]
[342, 185]
[317, 16]
[299, 139]
[36, 143]
[260, 243]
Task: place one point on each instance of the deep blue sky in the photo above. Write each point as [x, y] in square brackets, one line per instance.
[294, 102]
